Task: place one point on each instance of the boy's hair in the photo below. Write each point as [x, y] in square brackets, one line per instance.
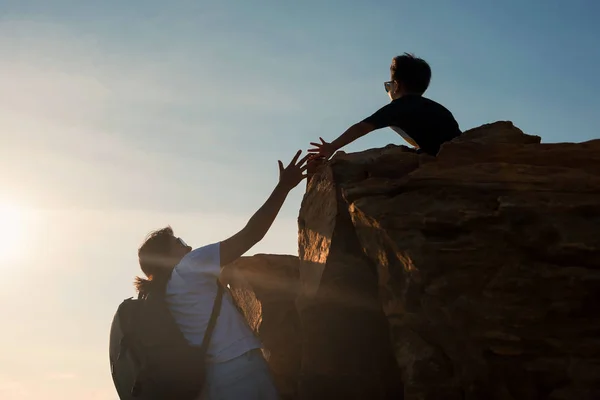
[152, 257]
[413, 72]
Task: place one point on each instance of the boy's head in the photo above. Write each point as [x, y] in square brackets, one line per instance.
[410, 75]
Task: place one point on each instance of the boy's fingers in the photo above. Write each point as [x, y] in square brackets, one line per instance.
[316, 144]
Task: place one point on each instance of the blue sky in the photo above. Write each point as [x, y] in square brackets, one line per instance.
[120, 117]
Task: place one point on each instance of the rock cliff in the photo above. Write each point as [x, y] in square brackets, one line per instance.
[265, 288]
[472, 275]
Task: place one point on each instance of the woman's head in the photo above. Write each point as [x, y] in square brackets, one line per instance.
[159, 254]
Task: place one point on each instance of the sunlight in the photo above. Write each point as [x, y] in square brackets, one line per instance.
[12, 231]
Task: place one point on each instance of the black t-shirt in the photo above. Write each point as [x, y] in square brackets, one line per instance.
[429, 124]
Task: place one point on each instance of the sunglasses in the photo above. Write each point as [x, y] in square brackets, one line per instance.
[182, 242]
[388, 86]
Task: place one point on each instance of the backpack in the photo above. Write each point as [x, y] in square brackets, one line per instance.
[149, 356]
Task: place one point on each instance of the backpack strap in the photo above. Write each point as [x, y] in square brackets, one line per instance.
[213, 319]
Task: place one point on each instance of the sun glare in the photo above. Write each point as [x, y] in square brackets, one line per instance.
[12, 220]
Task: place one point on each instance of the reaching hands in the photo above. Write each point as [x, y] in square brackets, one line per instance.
[294, 173]
[322, 150]
[256, 228]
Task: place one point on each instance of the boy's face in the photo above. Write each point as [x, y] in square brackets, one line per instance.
[393, 89]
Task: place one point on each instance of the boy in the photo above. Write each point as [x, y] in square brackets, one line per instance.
[422, 122]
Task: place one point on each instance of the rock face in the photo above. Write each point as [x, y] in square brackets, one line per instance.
[472, 275]
[265, 287]
[481, 265]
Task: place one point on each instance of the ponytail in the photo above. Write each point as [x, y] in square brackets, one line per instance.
[152, 284]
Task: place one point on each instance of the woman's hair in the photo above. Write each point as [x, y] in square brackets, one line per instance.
[154, 258]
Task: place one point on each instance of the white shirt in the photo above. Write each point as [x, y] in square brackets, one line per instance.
[405, 136]
[191, 292]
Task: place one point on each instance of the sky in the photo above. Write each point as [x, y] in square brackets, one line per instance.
[117, 118]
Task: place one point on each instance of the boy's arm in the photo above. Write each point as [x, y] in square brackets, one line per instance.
[326, 150]
[356, 131]
[256, 228]
[380, 119]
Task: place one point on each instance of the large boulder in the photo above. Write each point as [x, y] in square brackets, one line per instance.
[265, 288]
[482, 265]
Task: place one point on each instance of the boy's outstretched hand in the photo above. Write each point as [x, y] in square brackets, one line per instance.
[294, 173]
[322, 150]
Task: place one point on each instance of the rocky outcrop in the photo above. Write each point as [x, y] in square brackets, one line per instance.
[472, 275]
[265, 288]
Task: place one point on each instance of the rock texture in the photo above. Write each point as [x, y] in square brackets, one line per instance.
[472, 275]
[265, 287]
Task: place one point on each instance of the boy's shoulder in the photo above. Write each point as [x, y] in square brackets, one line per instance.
[414, 102]
[410, 110]
[416, 99]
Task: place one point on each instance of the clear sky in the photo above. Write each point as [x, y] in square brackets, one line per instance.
[121, 117]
